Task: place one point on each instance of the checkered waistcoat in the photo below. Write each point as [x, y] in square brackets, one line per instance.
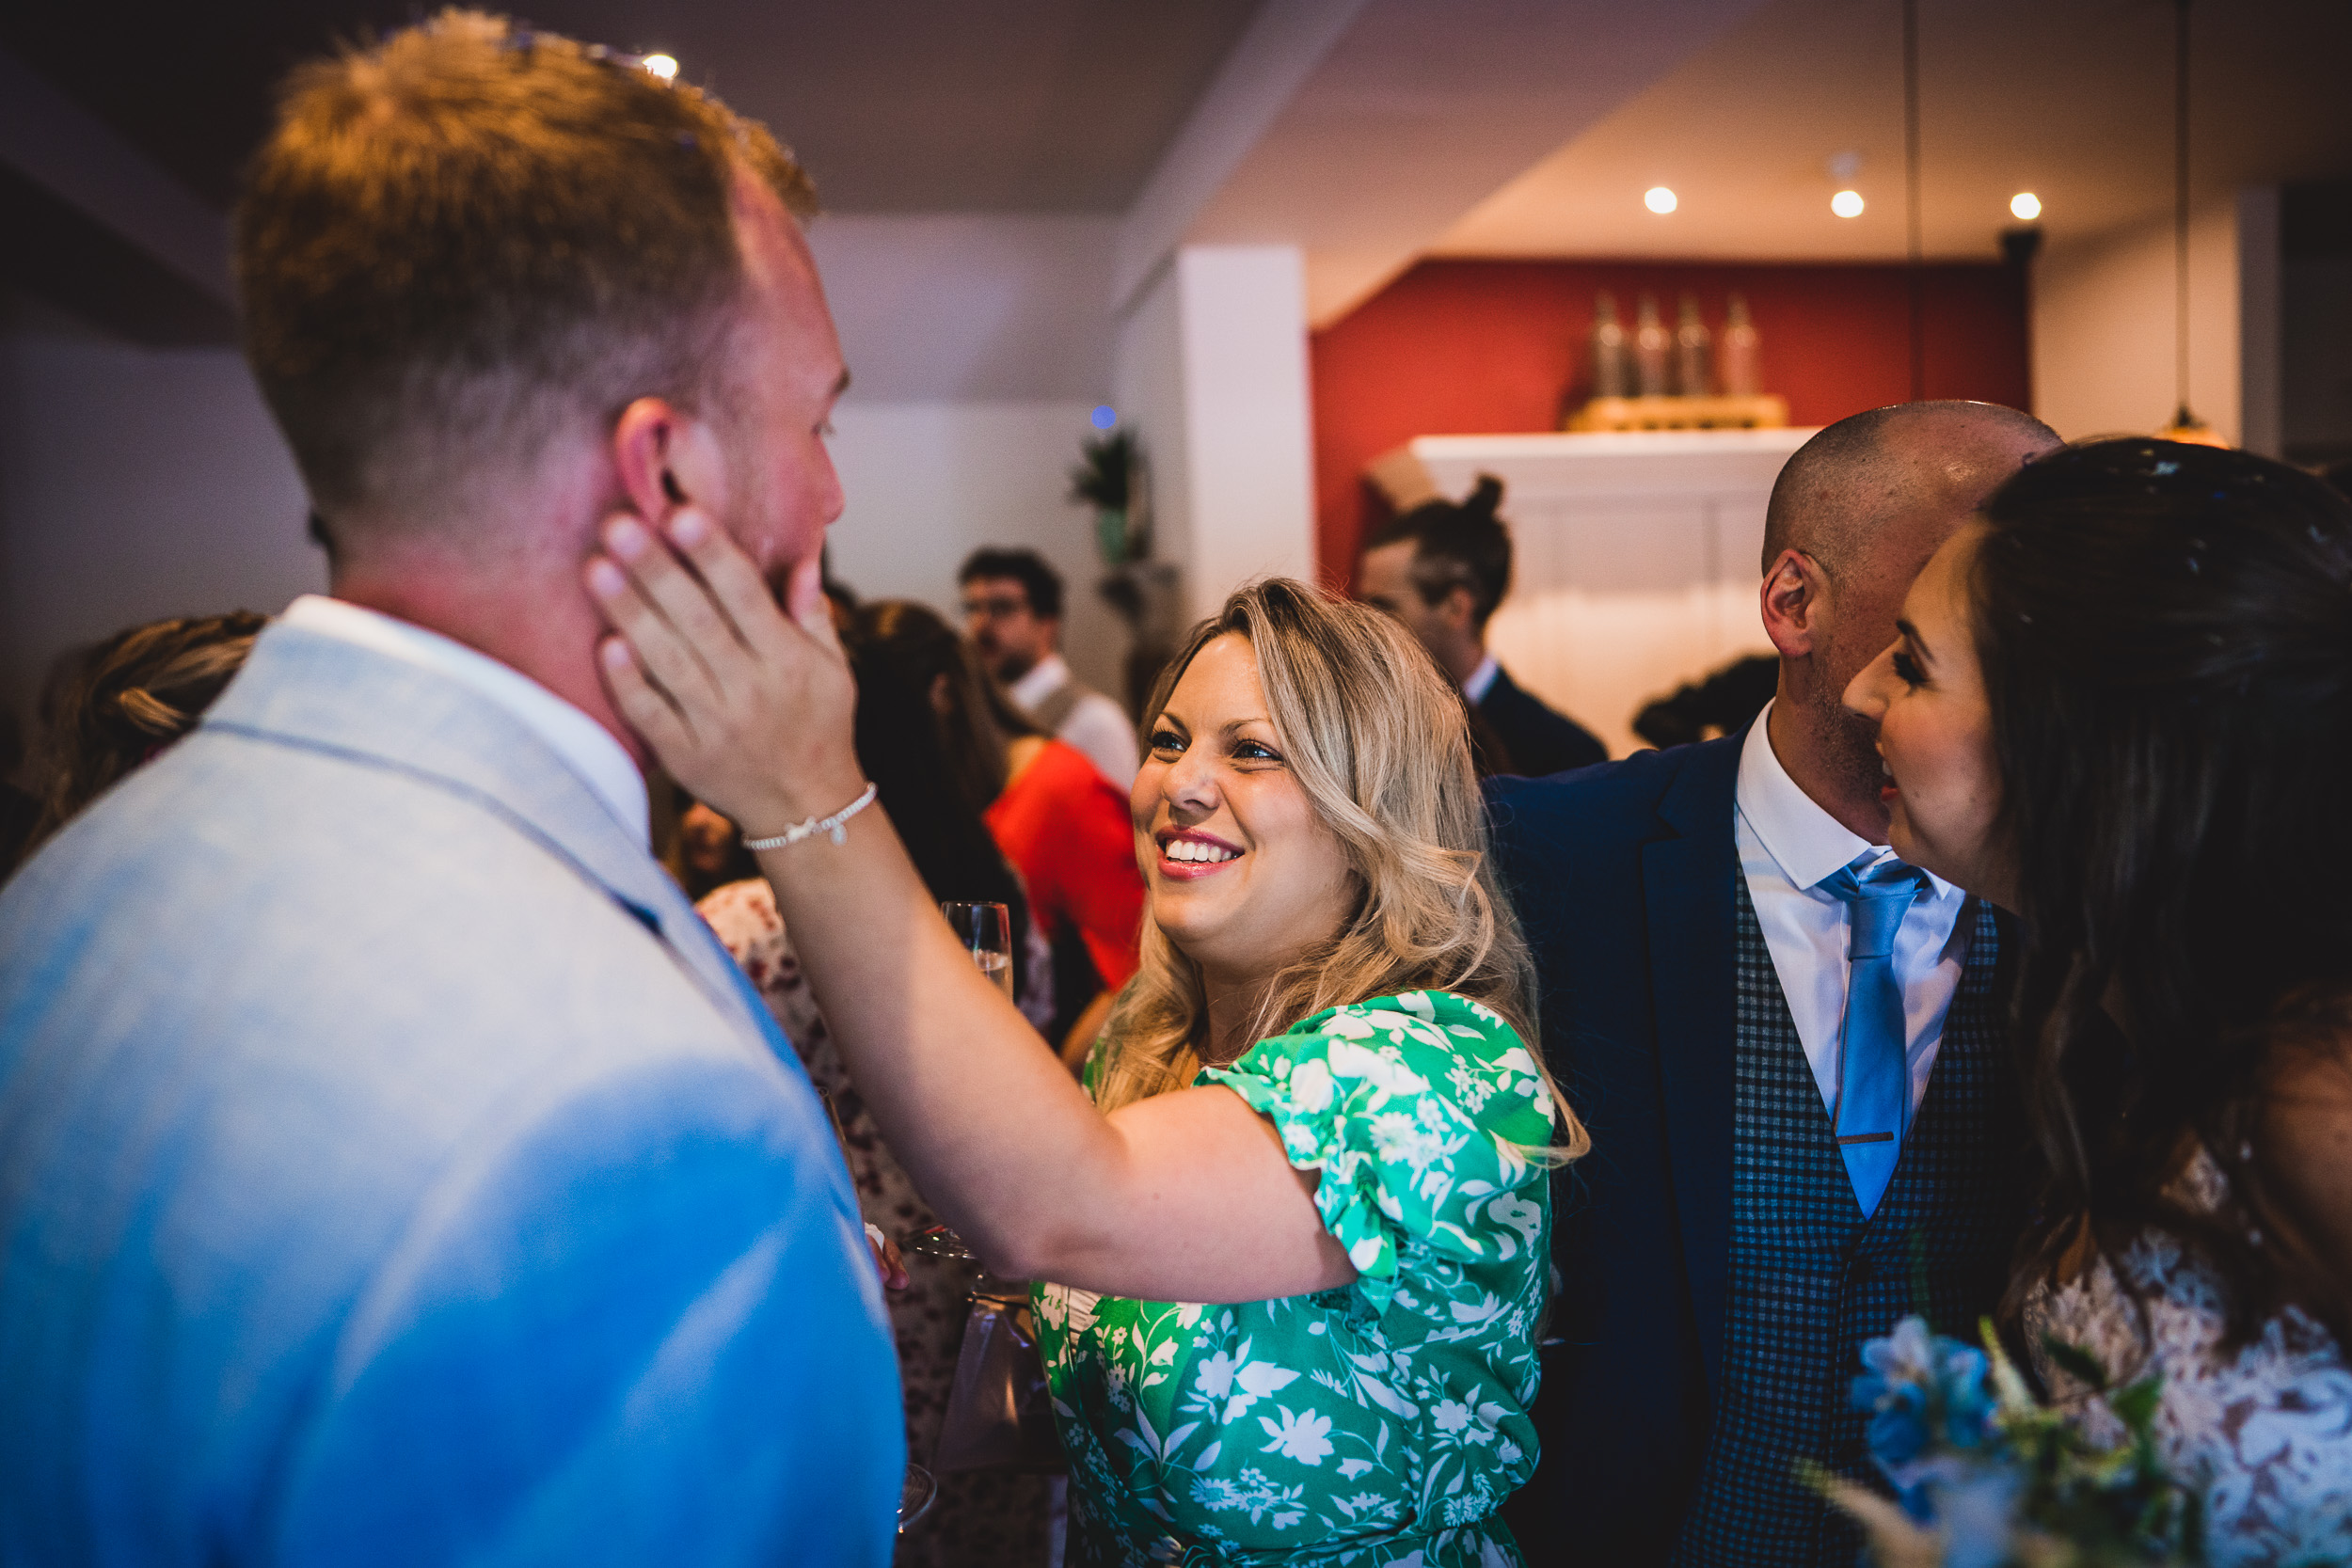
[1811, 1280]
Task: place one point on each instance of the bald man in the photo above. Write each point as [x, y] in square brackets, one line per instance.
[1785, 1044]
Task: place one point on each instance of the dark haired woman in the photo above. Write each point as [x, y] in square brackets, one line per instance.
[2120, 705]
[1055, 815]
[136, 692]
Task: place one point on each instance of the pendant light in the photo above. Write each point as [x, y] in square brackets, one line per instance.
[2186, 426]
[1915, 251]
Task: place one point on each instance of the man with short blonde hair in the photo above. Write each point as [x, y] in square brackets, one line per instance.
[393, 1168]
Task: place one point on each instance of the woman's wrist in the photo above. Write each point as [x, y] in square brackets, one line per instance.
[833, 825]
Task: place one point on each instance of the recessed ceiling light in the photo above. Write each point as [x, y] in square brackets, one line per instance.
[1847, 204]
[1658, 199]
[663, 66]
[2024, 206]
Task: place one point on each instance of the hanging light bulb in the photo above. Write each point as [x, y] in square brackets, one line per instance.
[2186, 426]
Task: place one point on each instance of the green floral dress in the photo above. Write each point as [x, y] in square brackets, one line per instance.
[1381, 1424]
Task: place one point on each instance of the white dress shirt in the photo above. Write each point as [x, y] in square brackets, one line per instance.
[585, 746]
[1787, 846]
[1482, 680]
[1095, 726]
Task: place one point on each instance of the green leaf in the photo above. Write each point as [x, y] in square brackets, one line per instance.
[2076, 1362]
[2136, 1407]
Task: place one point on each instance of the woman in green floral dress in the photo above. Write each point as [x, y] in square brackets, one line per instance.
[1381, 1422]
[1299, 1231]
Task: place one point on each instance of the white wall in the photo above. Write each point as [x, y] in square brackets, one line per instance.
[2102, 329]
[927, 482]
[134, 485]
[1212, 365]
[1148, 375]
[977, 346]
[969, 307]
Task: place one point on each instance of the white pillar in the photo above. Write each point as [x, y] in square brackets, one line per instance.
[1211, 374]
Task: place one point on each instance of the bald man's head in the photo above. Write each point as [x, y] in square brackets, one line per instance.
[1842, 488]
[1862, 505]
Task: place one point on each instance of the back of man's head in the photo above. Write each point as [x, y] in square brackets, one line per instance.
[1027, 567]
[1457, 544]
[473, 239]
[1852, 478]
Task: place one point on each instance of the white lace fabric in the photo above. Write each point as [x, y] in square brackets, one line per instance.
[2265, 1430]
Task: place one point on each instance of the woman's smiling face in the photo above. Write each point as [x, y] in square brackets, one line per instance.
[1244, 876]
[1927, 694]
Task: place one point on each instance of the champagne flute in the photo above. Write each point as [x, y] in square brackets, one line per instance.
[986, 932]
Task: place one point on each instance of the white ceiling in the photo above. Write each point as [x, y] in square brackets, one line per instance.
[2070, 98]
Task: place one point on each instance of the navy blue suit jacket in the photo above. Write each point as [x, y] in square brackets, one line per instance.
[1622, 874]
[1536, 739]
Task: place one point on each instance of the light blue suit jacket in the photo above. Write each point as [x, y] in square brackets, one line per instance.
[394, 1169]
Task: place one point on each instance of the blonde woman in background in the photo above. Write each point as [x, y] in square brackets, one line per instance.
[1300, 1232]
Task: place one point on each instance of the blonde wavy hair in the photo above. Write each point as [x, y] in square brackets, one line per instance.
[1379, 740]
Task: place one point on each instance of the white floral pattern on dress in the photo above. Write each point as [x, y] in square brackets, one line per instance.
[1378, 1424]
[2265, 1430]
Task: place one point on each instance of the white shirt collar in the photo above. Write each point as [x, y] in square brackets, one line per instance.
[1482, 680]
[1806, 842]
[1046, 678]
[587, 747]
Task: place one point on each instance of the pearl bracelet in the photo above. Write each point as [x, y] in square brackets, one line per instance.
[815, 825]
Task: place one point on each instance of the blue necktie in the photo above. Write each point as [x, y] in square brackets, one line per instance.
[1873, 1078]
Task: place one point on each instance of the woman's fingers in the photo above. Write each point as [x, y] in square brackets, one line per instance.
[734, 582]
[645, 709]
[805, 602]
[663, 653]
[742, 707]
[679, 596]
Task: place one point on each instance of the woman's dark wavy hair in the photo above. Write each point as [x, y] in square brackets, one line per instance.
[2166, 635]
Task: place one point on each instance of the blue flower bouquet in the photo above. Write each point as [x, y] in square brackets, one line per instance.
[1987, 1477]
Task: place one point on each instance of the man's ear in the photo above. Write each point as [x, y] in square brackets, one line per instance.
[666, 459]
[1795, 603]
[1459, 607]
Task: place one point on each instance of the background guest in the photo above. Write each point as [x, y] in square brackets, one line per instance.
[1013, 606]
[1787, 1042]
[1059, 822]
[2123, 707]
[978, 1519]
[133, 695]
[1721, 705]
[19, 809]
[707, 851]
[1441, 569]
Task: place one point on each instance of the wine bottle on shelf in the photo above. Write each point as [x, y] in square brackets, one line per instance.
[1743, 376]
[1612, 376]
[1651, 345]
[1694, 346]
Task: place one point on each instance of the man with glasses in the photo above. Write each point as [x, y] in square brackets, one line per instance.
[1012, 614]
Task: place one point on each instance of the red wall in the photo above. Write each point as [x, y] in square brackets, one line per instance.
[1469, 348]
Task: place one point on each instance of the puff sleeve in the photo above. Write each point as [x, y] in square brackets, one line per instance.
[1420, 1111]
